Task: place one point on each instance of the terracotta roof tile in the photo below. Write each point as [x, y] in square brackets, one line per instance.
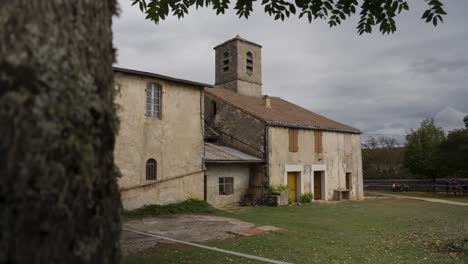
[282, 113]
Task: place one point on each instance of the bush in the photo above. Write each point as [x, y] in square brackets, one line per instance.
[306, 197]
[187, 206]
[279, 188]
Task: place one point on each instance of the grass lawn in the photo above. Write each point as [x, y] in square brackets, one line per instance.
[371, 231]
[438, 195]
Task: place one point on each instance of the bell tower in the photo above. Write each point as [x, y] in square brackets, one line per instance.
[239, 66]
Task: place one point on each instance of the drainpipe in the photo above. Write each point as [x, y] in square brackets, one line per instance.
[267, 161]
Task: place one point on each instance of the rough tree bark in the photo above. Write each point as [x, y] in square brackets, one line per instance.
[59, 201]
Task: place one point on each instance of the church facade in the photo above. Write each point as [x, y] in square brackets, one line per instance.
[227, 142]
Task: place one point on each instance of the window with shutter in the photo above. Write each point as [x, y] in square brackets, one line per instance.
[293, 140]
[153, 100]
[318, 141]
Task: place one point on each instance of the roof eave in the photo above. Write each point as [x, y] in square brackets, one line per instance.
[272, 123]
[159, 76]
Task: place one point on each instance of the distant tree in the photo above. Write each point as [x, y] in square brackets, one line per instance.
[382, 158]
[372, 13]
[453, 152]
[421, 147]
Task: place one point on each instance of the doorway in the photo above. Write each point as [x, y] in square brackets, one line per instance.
[317, 185]
[349, 181]
[292, 185]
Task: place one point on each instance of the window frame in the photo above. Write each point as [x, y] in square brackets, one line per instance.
[226, 61]
[151, 170]
[293, 139]
[153, 102]
[249, 68]
[318, 141]
[225, 185]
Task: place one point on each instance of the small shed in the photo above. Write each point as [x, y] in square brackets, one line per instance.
[229, 173]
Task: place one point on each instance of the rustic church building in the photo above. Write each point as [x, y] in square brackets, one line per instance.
[180, 139]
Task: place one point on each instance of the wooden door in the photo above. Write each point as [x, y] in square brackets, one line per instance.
[317, 185]
[292, 186]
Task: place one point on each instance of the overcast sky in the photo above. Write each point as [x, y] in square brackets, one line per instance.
[383, 85]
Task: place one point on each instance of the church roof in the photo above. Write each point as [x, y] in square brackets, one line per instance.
[282, 113]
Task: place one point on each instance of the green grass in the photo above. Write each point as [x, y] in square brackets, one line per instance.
[370, 231]
[188, 206]
[438, 195]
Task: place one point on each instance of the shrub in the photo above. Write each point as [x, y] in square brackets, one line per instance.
[306, 197]
[278, 188]
[187, 206]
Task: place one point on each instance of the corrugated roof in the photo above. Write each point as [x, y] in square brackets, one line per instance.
[218, 153]
[282, 113]
[159, 76]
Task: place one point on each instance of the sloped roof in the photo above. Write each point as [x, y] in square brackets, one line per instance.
[223, 154]
[159, 76]
[282, 113]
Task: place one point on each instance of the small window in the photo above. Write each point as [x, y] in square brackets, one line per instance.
[215, 109]
[226, 186]
[151, 170]
[153, 100]
[226, 61]
[318, 141]
[293, 140]
[249, 63]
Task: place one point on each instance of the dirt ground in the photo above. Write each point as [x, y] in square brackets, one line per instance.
[190, 228]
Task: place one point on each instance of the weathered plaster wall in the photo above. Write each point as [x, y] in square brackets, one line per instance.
[241, 175]
[238, 129]
[175, 141]
[341, 154]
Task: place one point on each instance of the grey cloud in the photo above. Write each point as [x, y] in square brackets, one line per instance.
[380, 84]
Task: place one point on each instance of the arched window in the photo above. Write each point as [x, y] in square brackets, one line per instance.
[226, 61]
[153, 100]
[151, 170]
[249, 64]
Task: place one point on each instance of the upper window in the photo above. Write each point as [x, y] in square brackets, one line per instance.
[226, 61]
[226, 185]
[151, 170]
[293, 140]
[153, 100]
[249, 63]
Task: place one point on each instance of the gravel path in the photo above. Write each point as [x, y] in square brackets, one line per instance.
[432, 200]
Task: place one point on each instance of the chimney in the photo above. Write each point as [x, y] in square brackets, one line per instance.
[267, 101]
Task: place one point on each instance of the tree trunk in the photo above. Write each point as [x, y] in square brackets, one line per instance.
[59, 201]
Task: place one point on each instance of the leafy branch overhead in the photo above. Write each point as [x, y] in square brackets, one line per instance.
[373, 13]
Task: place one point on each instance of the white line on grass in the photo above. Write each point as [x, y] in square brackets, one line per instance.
[210, 248]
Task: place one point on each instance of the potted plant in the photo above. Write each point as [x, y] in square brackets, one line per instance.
[279, 194]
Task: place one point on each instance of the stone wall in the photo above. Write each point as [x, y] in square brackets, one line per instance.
[239, 172]
[237, 129]
[237, 78]
[341, 154]
[175, 141]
